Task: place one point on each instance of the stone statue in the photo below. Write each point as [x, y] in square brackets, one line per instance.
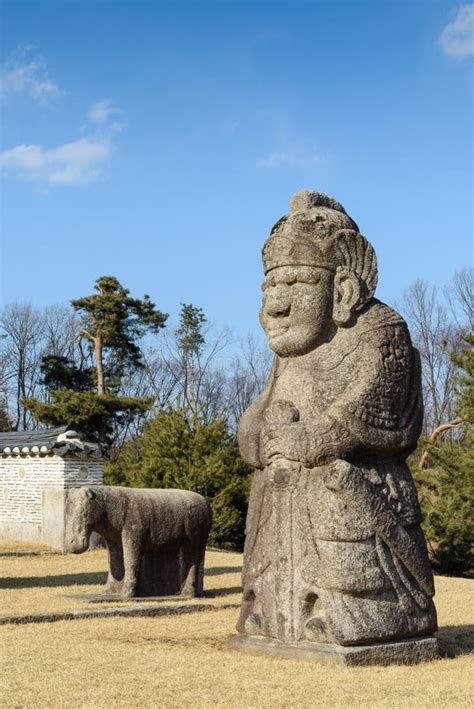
[156, 539]
[335, 560]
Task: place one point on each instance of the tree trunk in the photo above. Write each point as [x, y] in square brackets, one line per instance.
[99, 364]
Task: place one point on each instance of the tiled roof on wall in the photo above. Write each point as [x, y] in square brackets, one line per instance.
[61, 441]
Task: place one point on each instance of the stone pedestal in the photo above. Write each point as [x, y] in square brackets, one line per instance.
[404, 652]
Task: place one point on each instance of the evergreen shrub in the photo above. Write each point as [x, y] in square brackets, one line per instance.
[177, 449]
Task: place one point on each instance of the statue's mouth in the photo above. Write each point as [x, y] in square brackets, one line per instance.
[77, 544]
[277, 331]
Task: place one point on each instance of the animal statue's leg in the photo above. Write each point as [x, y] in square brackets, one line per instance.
[193, 560]
[200, 578]
[132, 552]
[116, 569]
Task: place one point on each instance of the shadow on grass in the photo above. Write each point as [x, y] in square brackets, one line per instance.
[29, 553]
[216, 592]
[87, 579]
[218, 570]
[456, 640]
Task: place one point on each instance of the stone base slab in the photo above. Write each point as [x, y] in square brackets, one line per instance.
[404, 652]
[148, 611]
[116, 598]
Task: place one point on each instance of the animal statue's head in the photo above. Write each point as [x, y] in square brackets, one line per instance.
[319, 273]
[81, 516]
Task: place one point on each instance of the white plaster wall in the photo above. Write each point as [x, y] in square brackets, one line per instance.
[82, 472]
[23, 479]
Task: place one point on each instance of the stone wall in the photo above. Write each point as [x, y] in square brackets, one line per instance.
[27, 487]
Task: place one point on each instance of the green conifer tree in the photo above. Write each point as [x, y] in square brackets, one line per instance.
[112, 324]
[447, 484]
[177, 449]
[62, 373]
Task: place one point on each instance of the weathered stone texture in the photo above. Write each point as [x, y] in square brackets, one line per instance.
[334, 552]
[156, 538]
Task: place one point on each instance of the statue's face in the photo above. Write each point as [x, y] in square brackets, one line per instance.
[296, 311]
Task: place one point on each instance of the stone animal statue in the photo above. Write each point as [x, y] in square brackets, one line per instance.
[156, 539]
[334, 553]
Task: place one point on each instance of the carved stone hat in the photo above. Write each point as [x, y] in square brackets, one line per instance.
[318, 232]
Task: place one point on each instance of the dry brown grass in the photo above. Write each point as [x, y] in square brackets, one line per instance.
[40, 582]
[176, 661]
[10, 546]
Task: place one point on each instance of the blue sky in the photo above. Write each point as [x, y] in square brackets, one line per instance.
[160, 141]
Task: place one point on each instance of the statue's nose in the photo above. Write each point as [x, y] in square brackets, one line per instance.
[277, 307]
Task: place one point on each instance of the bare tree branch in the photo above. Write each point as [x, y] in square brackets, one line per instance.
[434, 435]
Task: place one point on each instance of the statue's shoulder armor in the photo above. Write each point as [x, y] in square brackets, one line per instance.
[375, 327]
[381, 320]
[383, 329]
[393, 382]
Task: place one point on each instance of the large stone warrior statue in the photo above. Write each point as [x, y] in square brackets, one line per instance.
[334, 554]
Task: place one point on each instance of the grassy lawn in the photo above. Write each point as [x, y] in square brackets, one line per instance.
[173, 661]
[41, 581]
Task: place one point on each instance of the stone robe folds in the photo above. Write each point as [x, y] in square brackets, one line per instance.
[334, 552]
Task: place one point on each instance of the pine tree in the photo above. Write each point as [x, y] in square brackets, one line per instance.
[62, 373]
[190, 342]
[94, 416]
[189, 334]
[177, 449]
[465, 360]
[447, 505]
[112, 325]
[447, 485]
[113, 322]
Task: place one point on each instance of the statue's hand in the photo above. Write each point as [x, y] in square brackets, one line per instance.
[329, 444]
[288, 441]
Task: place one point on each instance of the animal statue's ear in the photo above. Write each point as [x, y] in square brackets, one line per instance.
[90, 493]
[347, 295]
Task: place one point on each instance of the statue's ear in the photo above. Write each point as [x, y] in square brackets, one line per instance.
[89, 493]
[346, 296]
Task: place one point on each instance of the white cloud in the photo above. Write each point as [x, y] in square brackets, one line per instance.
[457, 38]
[292, 158]
[24, 74]
[101, 111]
[77, 163]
